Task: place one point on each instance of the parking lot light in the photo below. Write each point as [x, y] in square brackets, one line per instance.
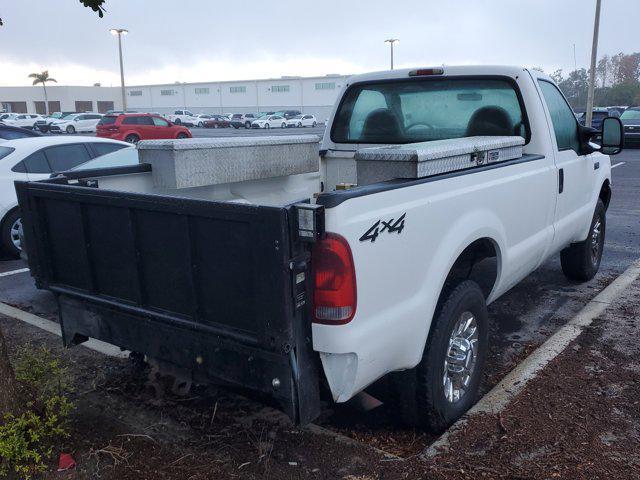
[391, 41]
[120, 32]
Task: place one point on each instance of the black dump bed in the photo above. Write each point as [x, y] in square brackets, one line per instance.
[216, 289]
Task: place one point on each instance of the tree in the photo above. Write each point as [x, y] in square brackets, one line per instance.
[43, 78]
[602, 70]
[557, 76]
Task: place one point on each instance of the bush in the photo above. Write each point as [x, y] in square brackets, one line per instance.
[27, 439]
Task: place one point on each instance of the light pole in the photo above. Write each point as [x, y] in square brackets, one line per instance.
[391, 41]
[119, 32]
[592, 72]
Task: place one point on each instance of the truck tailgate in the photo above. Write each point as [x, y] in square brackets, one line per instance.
[217, 289]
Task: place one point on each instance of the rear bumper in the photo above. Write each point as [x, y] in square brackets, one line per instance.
[112, 136]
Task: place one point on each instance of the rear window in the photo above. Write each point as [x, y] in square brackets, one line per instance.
[422, 110]
[4, 151]
[109, 120]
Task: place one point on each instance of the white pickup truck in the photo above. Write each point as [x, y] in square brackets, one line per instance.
[290, 280]
[183, 117]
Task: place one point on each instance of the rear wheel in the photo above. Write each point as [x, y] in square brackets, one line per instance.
[445, 383]
[314, 124]
[200, 124]
[182, 135]
[266, 125]
[71, 129]
[10, 233]
[299, 124]
[581, 261]
[284, 125]
[132, 138]
[177, 121]
[247, 125]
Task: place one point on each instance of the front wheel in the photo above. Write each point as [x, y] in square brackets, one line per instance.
[182, 135]
[445, 383]
[131, 138]
[247, 125]
[581, 261]
[177, 121]
[71, 129]
[284, 125]
[266, 125]
[200, 125]
[314, 124]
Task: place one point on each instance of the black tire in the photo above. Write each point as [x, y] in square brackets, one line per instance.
[200, 124]
[314, 124]
[581, 261]
[247, 125]
[182, 135]
[71, 129]
[236, 127]
[299, 124]
[132, 138]
[266, 125]
[420, 392]
[177, 121]
[8, 233]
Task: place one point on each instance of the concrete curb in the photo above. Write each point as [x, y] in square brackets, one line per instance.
[54, 328]
[504, 392]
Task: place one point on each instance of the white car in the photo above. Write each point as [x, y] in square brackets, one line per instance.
[24, 120]
[8, 117]
[35, 159]
[76, 122]
[301, 121]
[201, 118]
[183, 117]
[270, 121]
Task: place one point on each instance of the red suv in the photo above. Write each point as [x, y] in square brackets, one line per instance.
[143, 126]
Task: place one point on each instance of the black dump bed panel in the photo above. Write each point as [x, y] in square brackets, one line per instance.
[204, 286]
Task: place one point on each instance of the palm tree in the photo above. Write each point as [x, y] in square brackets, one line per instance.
[43, 78]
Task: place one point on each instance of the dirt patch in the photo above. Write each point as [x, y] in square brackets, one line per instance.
[579, 419]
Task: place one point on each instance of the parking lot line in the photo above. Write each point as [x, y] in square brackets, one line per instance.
[54, 328]
[13, 272]
[502, 394]
[617, 164]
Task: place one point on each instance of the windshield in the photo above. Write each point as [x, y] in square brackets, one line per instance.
[405, 111]
[630, 114]
[120, 158]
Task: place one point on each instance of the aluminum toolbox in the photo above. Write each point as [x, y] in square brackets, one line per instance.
[425, 159]
[197, 162]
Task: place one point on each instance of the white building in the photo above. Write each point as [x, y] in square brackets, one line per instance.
[313, 95]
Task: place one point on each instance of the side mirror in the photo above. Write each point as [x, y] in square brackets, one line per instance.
[612, 136]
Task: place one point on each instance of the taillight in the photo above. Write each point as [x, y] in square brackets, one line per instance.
[334, 296]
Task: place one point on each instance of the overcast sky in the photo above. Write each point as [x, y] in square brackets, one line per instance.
[197, 40]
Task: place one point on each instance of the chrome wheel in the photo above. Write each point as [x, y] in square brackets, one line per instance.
[460, 361]
[16, 228]
[596, 234]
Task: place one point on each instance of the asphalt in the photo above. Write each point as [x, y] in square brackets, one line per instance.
[522, 319]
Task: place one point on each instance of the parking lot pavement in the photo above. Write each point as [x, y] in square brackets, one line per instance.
[521, 320]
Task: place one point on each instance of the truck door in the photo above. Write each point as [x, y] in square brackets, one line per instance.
[575, 172]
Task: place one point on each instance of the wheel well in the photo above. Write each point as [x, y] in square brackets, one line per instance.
[605, 194]
[477, 262]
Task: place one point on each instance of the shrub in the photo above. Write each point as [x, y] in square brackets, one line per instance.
[27, 439]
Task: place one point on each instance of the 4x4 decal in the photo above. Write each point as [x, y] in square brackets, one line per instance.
[381, 226]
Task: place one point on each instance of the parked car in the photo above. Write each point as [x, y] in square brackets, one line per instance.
[183, 117]
[132, 127]
[630, 118]
[217, 121]
[598, 115]
[269, 121]
[35, 159]
[288, 113]
[44, 123]
[8, 117]
[201, 118]
[301, 121]
[24, 120]
[7, 132]
[238, 120]
[318, 287]
[76, 123]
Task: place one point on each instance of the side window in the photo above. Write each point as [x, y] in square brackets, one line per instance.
[564, 121]
[145, 121]
[81, 117]
[187, 112]
[159, 122]
[37, 163]
[64, 157]
[103, 148]
[19, 167]
[130, 121]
